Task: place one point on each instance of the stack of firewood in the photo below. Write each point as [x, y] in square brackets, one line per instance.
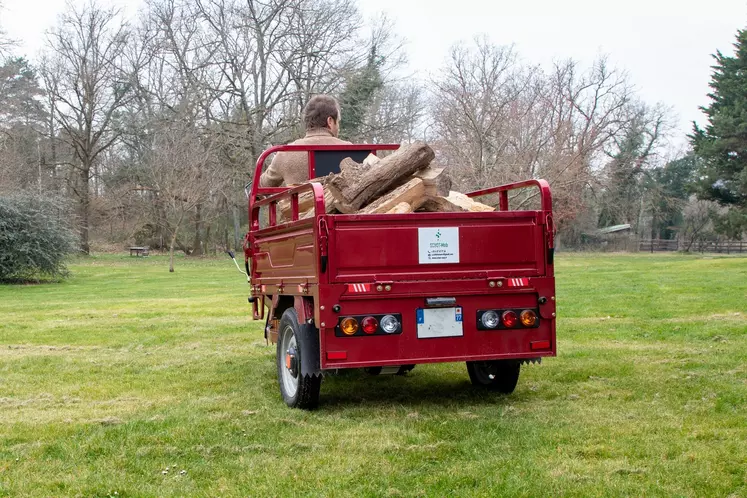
[402, 182]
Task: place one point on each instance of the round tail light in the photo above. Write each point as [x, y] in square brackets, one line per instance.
[389, 324]
[349, 326]
[528, 318]
[490, 319]
[370, 325]
[509, 319]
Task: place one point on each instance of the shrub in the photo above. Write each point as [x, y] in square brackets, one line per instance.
[35, 237]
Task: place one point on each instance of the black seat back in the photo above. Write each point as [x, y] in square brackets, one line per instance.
[328, 161]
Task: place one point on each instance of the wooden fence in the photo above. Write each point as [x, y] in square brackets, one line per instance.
[725, 247]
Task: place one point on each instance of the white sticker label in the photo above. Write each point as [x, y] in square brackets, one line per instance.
[438, 245]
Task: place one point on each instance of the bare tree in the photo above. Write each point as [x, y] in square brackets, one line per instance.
[632, 152]
[498, 121]
[6, 44]
[182, 174]
[698, 221]
[396, 113]
[83, 74]
[475, 96]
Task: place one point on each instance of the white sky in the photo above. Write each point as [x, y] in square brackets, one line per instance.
[664, 45]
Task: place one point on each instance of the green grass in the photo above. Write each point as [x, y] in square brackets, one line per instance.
[124, 370]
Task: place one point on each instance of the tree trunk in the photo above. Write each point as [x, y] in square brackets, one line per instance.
[171, 252]
[197, 244]
[85, 205]
[171, 246]
[237, 238]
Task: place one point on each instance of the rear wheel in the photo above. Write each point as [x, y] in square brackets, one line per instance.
[298, 390]
[496, 375]
[404, 369]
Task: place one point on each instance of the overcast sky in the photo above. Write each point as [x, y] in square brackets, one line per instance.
[665, 45]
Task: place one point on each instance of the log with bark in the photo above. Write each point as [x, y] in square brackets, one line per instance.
[438, 204]
[358, 185]
[306, 201]
[400, 183]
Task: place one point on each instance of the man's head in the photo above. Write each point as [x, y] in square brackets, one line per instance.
[322, 111]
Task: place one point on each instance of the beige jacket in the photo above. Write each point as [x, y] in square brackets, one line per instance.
[293, 167]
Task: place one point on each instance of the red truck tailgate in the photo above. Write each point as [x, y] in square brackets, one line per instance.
[433, 246]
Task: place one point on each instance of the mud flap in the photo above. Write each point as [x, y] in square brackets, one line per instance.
[308, 338]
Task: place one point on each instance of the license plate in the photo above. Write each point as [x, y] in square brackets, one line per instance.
[439, 322]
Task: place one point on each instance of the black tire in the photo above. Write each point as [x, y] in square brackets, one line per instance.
[404, 369]
[496, 375]
[298, 390]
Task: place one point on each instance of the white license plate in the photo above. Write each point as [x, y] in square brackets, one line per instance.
[439, 322]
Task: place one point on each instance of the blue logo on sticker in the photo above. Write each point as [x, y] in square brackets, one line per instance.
[458, 314]
[420, 316]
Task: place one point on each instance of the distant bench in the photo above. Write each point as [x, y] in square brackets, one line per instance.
[138, 251]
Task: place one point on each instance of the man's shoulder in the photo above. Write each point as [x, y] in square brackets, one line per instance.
[320, 139]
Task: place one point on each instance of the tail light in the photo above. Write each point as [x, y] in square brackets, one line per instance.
[370, 325]
[349, 326]
[528, 318]
[501, 319]
[509, 319]
[490, 319]
[389, 324]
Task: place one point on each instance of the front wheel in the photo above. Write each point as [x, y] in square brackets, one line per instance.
[496, 375]
[298, 390]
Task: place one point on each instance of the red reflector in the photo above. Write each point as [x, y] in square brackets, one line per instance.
[539, 345]
[337, 355]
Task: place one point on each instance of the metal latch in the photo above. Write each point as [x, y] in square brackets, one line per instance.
[323, 238]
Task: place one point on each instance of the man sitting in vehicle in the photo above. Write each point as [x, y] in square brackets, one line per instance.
[322, 119]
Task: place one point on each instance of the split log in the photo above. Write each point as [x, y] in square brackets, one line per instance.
[438, 205]
[437, 181]
[401, 208]
[329, 207]
[306, 201]
[357, 185]
[467, 203]
[412, 191]
[371, 160]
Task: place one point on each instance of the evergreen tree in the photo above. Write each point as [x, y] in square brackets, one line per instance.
[722, 145]
[19, 93]
[358, 96]
[669, 189]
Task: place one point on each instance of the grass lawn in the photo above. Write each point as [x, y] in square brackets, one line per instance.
[124, 371]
